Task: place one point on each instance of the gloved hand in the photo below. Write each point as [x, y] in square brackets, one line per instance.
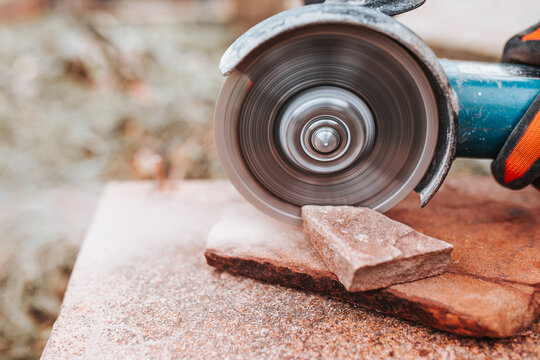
[518, 162]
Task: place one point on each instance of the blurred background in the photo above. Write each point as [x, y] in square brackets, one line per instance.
[96, 90]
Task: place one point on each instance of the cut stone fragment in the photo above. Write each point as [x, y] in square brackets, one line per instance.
[366, 250]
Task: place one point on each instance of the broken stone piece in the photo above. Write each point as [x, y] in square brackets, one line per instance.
[366, 250]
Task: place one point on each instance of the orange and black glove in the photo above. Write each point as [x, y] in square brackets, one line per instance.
[518, 162]
[523, 48]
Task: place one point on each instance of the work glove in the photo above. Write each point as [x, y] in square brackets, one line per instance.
[518, 162]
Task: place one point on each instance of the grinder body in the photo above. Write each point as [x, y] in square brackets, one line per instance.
[492, 99]
[338, 104]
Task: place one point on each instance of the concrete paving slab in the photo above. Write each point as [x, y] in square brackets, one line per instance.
[141, 288]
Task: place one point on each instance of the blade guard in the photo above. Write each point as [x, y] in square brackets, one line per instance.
[388, 7]
[249, 46]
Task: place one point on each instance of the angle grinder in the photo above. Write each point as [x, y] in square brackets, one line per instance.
[338, 103]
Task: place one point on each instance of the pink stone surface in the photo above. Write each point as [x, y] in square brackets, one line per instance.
[247, 242]
[141, 289]
[367, 250]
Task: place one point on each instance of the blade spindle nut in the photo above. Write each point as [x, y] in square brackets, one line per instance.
[325, 140]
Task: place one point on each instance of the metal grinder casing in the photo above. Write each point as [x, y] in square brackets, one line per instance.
[337, 104]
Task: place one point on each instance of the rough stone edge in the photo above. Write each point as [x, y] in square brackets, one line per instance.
[318, 233]
[440, 257]
[386, 301]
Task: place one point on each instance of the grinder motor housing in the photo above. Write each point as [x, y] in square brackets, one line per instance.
[340, 104]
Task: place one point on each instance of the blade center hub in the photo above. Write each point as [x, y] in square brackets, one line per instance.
[325, 129]
[325, 140]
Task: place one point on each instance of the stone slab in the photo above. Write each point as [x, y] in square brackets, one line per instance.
[141, 288]
[493, 285]
[366, 250]
[454, 302]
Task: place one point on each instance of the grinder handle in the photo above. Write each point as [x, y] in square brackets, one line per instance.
[492, 99]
